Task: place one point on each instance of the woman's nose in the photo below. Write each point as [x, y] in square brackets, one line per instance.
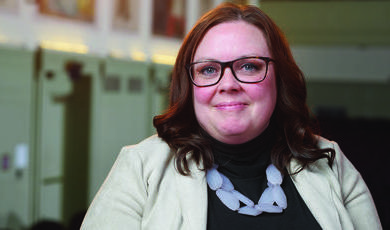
[228, 81]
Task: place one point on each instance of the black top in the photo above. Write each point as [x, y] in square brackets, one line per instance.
[245, 166]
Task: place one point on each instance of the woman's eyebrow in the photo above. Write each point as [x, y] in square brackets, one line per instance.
[202, 59]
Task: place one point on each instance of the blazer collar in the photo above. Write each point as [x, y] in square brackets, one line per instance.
[192, 193]
[313, 185]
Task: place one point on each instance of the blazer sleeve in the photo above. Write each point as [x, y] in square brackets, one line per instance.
[355, 194]
[120, 200]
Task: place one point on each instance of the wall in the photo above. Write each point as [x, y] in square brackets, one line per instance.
[329, 23]
[343, 47]
[73, 113]
[15, 113]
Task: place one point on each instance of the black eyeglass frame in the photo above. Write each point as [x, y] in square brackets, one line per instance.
[230, 65]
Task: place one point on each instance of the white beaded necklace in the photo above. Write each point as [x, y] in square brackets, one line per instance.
[273, 199]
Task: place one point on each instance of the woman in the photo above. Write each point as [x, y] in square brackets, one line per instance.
[235, 149]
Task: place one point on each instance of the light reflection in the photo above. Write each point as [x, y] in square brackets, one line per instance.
[163, 59]
[138, 56]
[65, 47]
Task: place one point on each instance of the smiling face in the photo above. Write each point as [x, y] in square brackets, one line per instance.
[230, 111]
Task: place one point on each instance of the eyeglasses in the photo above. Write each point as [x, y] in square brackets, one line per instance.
[245, 70]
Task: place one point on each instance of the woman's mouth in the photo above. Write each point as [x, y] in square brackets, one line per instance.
[231, 105]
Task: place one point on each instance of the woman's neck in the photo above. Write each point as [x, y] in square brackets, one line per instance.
[245, 160]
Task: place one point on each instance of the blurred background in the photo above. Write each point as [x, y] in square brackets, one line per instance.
[79, 79]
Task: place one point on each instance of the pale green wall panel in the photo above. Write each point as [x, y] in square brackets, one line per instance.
[63, 107]
[51, 142]
[332, 22]
[159, 91]
[16, 74]
[358, 100]
[119, 114]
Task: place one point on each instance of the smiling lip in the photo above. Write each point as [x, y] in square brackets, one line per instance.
[231, 106]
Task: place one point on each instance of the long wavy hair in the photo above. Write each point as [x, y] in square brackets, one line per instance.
[291, 119]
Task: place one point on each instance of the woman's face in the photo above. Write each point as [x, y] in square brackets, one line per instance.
[230, 111]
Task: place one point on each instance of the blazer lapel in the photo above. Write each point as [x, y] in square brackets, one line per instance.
[316, 191]
[192, 193]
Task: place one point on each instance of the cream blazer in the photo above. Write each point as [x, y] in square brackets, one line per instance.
[144, 191]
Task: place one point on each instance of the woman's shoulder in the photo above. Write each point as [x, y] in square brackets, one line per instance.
[324, 143]
[149, 144]
[341, 165]
[150, 150]
[338, 172]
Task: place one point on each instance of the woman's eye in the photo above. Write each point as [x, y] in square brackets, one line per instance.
[249, 67]
[208, 70]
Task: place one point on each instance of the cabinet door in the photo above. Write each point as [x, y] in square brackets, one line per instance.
[63, 104]
[120, 114]
[159, 91]
[54, 88]
[16, 74]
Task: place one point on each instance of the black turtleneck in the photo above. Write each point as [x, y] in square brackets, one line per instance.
[245, 165]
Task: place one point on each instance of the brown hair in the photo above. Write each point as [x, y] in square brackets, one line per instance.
[291, 118]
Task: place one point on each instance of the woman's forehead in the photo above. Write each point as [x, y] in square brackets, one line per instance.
[231, 40]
